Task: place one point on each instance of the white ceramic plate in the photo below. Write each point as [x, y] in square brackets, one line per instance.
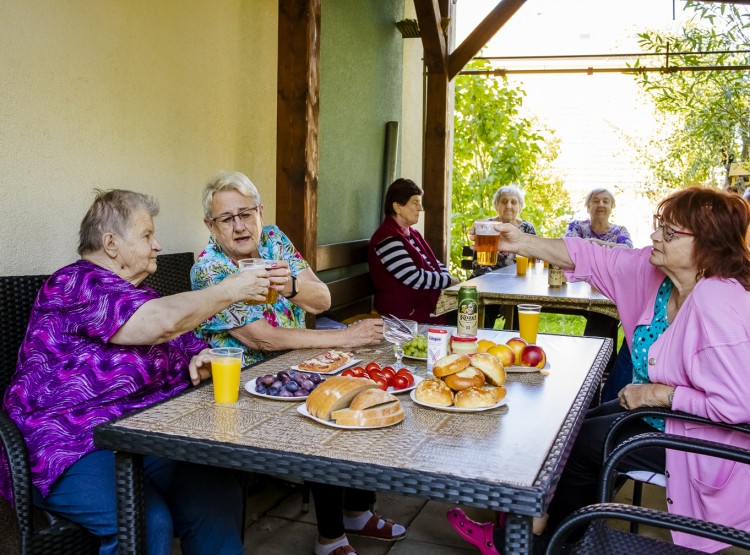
[250, 388]
[423, 359]
[352, 362]
[500, 403]
[302, 409]
[525, 369]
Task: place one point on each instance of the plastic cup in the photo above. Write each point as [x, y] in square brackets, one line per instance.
[260, 264]
[528, 321]
[487, 242]
[226, 363]
[522, 264]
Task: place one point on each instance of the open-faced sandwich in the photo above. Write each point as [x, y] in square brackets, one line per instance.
[326, 362]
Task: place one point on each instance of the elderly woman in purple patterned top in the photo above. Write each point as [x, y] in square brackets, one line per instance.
[597, 229]
[100, 345]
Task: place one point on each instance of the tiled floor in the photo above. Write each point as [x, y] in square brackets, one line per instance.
[276, 524]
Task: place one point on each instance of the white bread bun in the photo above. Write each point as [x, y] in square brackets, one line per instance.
[370, 398]
[434, 392]
[450, 364]
[478, 397]
[490, 366]
[380, 415]
[466, 378]
[336, 393]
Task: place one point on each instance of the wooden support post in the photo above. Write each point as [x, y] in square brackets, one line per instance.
[297, 123]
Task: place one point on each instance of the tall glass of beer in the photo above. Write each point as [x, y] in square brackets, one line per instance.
[487, 242]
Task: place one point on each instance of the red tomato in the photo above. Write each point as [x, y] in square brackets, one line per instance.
[372, 366]
[391, 368]
[358, 371]
[400, 382]
[402, 371]
[372, 374]
[408, 376]
[349, 372]
[381, 381]
[389, 374]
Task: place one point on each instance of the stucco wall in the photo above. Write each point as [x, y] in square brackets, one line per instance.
[152, 96]
[361, 87]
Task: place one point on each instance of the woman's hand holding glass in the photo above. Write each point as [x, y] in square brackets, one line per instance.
[249, 285]
[510, 237]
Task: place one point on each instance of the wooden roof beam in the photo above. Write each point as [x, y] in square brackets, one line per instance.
[480, 36]
[433, 38]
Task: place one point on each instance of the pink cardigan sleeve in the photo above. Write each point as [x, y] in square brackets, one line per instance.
[624, 276]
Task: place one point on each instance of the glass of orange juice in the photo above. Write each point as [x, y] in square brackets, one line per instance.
[226, 363]
[522, 264]
[528, 321]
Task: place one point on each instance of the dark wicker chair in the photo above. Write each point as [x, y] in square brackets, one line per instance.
[601, 540]
[172, 273]
[35, 531]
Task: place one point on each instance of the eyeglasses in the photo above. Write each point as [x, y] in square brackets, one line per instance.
[227, 220]
[667, 231]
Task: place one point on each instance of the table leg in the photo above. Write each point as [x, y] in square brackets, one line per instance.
[518, 535]
[131, 510]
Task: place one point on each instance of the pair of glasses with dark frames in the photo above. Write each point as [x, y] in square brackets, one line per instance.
[227, 220]
[667, 231]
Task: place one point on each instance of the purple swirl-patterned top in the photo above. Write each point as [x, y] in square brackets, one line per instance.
[70, 378]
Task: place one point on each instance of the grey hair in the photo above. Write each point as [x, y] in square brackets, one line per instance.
[511, 189]
[598, 191]
[224, 181]
[111, 213]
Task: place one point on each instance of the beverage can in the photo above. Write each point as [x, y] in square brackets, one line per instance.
[468, 310]
[555, 276]
[437, 345]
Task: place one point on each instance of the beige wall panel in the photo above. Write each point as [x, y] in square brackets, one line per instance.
[413, 108]
[152, 96]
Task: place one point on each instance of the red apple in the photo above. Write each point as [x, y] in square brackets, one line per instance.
[517, 344]
[533, 355]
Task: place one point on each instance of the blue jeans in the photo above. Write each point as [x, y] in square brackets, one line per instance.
[620, 375]
[199, 504]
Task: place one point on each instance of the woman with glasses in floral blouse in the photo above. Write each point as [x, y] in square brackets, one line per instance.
[685, 310]
[234, 216]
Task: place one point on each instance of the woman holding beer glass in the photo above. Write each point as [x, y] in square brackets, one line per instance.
[234, 216]
[599, 203]
[407, 275]
[508, 202]
[685, 309]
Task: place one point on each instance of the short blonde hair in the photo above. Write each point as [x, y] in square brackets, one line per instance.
[224, 181]
[511, 189]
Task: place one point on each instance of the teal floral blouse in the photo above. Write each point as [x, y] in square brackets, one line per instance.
[213, 265]
[645, 336]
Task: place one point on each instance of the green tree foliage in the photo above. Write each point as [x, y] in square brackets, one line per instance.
[495, 145]
[703, 114]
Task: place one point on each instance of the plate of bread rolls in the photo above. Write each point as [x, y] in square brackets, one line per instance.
[463, 384]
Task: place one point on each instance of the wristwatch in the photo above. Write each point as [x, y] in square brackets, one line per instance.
[294, 288]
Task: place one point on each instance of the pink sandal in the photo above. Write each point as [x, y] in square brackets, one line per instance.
[478, 534]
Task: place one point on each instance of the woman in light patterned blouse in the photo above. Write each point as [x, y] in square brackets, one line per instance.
[597, 229]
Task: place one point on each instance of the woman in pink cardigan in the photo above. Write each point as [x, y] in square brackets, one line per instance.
[685, 310]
